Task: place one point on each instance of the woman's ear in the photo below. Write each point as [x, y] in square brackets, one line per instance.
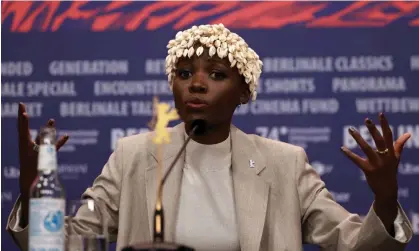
[245, 93]
[244, 99]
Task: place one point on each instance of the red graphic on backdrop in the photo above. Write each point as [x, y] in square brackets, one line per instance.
[131, 16]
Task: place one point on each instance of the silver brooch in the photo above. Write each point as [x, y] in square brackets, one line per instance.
[251, 163]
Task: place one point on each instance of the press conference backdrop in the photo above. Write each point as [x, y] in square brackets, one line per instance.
[95, 67]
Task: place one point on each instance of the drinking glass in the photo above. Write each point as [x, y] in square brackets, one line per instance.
[88, 231]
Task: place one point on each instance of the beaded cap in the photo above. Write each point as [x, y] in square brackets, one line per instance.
[221, 42]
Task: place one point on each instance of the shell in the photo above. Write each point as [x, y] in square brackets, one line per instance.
[230, 57]
[190, 52]
[199, 51]
[203, 40]
[179, 53]
[212, 51]
[254, 95]
[221, 42]
[220, 52]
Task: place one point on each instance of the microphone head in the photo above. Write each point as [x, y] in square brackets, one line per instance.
[199, 126]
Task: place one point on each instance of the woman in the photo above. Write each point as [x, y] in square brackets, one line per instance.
[230, 190]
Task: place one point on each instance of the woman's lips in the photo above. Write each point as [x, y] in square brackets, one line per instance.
[196, 105]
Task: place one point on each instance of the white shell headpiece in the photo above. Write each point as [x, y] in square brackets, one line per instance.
[220, 41]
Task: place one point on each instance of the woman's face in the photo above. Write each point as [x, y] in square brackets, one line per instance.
[208, 88]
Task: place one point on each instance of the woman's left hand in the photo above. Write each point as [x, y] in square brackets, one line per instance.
[380, 165]
[380, 168]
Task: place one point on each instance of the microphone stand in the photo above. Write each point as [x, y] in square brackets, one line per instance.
[158, 234]
[158, 243]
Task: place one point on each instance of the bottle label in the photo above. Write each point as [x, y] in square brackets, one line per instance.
[46, 224]
[47, 158]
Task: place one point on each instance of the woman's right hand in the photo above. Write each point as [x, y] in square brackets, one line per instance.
[28, 157]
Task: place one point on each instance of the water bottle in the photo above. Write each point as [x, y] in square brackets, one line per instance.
[47, 199]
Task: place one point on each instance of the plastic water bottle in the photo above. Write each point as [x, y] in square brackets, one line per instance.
[47, 199]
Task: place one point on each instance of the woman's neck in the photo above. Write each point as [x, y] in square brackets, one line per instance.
[217, 133]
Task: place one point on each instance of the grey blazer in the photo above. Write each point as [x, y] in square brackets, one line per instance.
[281, 203]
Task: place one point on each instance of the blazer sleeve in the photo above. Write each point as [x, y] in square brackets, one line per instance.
[105, 192]
[329, 225]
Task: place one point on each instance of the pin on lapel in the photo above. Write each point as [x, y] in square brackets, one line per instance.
[251, 163]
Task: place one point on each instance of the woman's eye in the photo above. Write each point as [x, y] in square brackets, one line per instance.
[218, 75]
[185, 74]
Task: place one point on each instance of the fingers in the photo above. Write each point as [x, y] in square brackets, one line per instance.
[376, 135]
[362, 144]
[23, 124]
[23, 129]
[355, 158]
[50, 123]
[22, 109]
[398, 146]
[61, 141]
[387, 133]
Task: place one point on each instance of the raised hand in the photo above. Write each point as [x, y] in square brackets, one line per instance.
[380, 166]
[28, 157]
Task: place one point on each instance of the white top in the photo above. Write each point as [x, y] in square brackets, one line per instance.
[206, 215]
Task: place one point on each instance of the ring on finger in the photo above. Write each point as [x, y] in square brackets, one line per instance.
[383, 152]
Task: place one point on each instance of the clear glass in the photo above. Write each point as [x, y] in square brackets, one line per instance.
[88, 231]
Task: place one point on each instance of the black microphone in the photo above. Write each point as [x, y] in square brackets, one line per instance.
[199, 127]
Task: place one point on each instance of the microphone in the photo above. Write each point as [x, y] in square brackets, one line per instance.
[199, 127]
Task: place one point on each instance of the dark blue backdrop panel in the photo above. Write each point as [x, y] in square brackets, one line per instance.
[327, 66]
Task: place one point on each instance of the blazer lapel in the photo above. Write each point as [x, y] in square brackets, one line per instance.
[250, 190]
[171, 188]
